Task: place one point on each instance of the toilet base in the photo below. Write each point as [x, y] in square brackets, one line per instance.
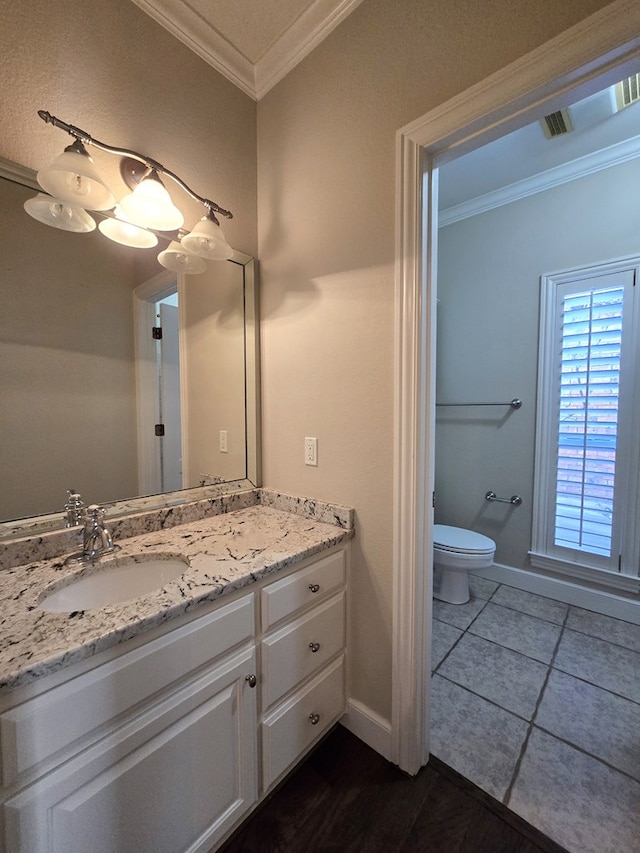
[451, 586]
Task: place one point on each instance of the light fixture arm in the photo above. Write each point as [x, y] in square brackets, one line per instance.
[87, 139]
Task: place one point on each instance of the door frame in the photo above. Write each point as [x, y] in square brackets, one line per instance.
[594, 53]
[144, 315]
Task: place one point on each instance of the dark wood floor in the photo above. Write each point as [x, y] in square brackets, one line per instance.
[346, 798]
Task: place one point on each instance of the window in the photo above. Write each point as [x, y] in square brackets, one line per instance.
[587, 456]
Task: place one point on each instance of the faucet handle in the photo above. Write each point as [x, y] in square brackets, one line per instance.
[95, 512]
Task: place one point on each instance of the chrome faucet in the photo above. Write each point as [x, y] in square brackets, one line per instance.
[73, 509]
[97, 539]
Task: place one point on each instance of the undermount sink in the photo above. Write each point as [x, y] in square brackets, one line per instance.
[113, 583]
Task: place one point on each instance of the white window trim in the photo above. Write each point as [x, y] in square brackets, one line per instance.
[544, 470]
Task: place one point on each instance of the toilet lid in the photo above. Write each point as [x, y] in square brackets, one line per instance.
[461, 541]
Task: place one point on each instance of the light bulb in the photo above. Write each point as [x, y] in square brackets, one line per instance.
[78, 185]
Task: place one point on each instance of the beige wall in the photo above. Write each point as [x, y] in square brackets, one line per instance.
[326, 145]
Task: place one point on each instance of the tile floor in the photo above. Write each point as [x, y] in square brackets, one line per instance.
[538, 703]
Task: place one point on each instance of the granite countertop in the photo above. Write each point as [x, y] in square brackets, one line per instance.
[222, 553]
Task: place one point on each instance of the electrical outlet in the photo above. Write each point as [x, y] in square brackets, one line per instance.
[223, 441]
[311, 451]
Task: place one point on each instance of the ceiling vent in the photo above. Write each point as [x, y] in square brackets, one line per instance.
[556, 124]
[628, 91]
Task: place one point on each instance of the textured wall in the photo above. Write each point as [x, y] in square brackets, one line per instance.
[113, 71]
[326, 170]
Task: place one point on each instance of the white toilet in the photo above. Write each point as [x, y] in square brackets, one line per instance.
[456, 552]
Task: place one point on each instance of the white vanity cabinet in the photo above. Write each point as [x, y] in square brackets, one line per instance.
[164, 744]
[153, 750]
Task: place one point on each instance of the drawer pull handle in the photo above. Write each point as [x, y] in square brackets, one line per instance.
[314, 587]
[315, 647]
[251, 680]
[314, 718]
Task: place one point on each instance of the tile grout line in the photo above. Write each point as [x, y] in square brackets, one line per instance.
[464, 631]
[597, 686]
[582, 750]
[484, 698]
[523, 749]
[602, 640]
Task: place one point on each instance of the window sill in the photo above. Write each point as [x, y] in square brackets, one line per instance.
[604, 577]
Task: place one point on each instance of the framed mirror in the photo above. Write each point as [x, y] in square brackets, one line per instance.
[95, 400]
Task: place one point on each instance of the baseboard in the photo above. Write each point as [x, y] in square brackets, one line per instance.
[370, 727]
[607, 603]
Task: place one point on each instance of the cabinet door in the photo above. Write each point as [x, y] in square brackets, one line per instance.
[174, 779]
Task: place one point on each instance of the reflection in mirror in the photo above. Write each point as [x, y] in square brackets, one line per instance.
[84, 382]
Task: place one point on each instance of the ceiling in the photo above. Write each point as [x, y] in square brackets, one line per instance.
[526, 161]
[253, 43]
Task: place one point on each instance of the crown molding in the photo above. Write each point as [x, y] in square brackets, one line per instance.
[621, 152]
[187, 25]
[306, 33]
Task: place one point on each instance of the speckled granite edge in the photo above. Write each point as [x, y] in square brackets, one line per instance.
[342, 516]
[52, 544]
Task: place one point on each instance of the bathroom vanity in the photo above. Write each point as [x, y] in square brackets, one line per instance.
[157, 724]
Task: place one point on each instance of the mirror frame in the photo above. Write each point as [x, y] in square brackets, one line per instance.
[24, 527]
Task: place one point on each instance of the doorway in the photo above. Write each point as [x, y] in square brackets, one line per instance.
[158, 385]
[591, 55]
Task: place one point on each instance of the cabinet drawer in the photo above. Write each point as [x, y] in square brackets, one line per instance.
[100, 695]
[300, 648]
[291, 729]
[283, 598]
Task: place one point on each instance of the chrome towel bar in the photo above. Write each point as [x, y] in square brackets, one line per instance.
[514, 500]
[516, 403]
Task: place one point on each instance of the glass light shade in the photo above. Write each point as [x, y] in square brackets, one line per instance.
[208, 241]
[150, 206]
[126, 233]
[73, 177]
[176, 259]
[59, 214]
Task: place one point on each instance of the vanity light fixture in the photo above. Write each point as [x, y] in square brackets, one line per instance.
[150, 205]
[73, 177]
[144, 214]
[59, 214]
[176, 258]
[120, 230]
[207, 240]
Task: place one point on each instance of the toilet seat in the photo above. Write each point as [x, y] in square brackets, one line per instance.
[457, 540]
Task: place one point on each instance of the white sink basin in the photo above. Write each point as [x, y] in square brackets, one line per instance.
[113, 583]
